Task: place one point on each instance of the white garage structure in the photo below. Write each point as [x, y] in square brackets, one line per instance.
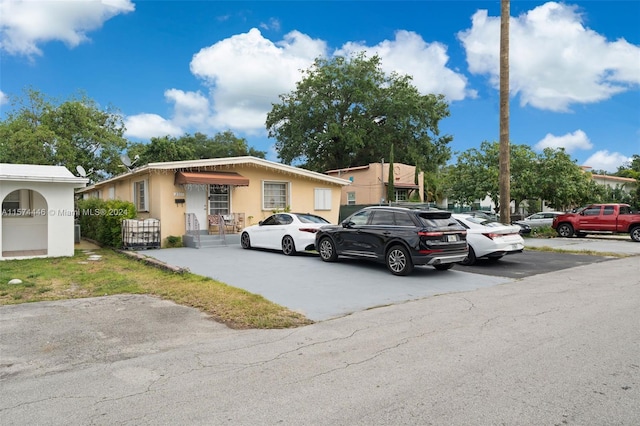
[37, 210]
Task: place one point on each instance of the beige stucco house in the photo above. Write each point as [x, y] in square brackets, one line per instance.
[369, 183]
[37, 210]
[625, 184]
[193, 195]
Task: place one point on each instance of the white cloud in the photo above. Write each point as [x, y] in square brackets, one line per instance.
[409, 54]
[26, 23]
[4, 99]
[146, 126]
[570, 142]
[605, 160]
[191, 108]
[555, 61]
[247, 72]
[273, 24]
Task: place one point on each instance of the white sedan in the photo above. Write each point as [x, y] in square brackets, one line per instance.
[289, 232]
[540, 219]
[489, 239]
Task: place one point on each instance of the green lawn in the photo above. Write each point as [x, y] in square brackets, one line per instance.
[117, 273]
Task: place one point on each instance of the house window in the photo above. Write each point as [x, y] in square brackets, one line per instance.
[140, 198]
[218, 199]
[275, 195]
[112, 192]
[17, 203]
[401, 195]
[351, 198]
[322, 199]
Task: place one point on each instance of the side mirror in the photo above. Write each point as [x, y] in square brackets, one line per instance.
[260, 223]
[347, 224]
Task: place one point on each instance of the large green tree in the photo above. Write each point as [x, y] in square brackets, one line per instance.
[191, 147]
[551, 176]
[73, 133]
[630, 169]
[347, 112]
[561, 182]
[475, 175]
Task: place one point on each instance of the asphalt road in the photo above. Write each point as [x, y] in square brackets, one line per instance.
[550, 349]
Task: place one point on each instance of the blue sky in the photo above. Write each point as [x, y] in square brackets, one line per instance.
[175, 67]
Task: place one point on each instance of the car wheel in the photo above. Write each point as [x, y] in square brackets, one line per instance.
[398, 261]
[443, 266]
[565, 230]
[245, 241]
[327, 250]
[470, 259]
[635, 234]
[288, 246]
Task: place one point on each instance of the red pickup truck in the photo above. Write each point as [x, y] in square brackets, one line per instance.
[599, 219]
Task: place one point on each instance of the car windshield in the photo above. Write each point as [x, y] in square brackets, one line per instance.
[310, 218]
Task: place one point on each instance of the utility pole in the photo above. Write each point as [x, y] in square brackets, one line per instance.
[505, 170]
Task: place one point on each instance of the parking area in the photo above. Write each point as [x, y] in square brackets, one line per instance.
[530, 263]
[322, 291]
[314, 288]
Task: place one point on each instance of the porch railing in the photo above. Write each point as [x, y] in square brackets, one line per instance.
[218, 221]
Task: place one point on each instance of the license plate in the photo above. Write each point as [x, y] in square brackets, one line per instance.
[452, 238]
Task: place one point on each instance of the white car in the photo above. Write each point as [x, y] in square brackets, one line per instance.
[289, 232]
[539, 219]
[488, 239]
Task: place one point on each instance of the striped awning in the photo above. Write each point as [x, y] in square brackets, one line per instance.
[211, 178]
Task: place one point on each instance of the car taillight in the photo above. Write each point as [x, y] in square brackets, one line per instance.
[430, 234]
[443, 236]
[312, 230]
[492, 235]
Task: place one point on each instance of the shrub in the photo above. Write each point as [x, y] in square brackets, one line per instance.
[543, 232]
[173, 241]
[102, 220]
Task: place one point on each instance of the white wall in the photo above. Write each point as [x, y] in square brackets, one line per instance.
[51, 226]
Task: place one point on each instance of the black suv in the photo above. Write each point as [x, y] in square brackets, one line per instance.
[400, 237]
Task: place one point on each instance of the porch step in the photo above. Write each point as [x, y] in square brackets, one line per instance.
[208, 241]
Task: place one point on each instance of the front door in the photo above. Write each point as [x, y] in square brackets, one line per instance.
[219, 199]
[196, 203]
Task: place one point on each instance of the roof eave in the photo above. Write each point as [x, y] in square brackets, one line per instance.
[189, 164]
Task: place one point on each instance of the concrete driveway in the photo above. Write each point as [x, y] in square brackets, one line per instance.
[319, 290]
